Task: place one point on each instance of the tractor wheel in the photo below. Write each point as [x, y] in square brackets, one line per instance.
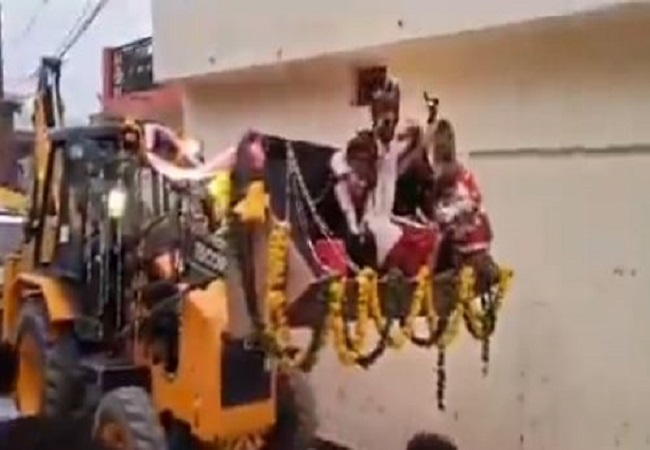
[48, 375]
[296, 420]
[126, 420]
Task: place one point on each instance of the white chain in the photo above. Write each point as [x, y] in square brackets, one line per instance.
[294, 169]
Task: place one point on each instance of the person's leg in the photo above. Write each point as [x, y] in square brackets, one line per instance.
[362, 250]
[412, 251]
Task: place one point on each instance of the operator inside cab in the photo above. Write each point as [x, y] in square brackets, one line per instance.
[163, 266]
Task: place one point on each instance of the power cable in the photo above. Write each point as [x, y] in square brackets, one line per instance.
[80, 26]
[77, 23]
[29, 25]
[83, 28]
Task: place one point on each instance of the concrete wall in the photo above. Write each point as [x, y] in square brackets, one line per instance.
[569, 361]
[569, 364]
[556, 84]
[235, 34]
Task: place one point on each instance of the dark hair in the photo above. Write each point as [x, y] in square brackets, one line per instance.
[430, 441]
[362, 142]
[243, 172]
[444, 126]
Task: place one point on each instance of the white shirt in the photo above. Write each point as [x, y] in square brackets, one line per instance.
[378, 211]
[378, 215]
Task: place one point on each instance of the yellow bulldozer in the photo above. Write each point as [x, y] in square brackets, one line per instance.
[130, 300]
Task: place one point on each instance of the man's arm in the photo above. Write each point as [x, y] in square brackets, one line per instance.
[341, 170]
[409, 147]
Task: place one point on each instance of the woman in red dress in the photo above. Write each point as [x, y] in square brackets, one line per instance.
[458, 206]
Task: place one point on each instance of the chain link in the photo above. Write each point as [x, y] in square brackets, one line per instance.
[293, 170]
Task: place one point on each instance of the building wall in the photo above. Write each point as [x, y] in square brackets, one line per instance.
[568, 370]
[243, 33]
[574, 83]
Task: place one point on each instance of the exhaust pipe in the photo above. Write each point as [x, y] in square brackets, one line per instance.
[8, 368]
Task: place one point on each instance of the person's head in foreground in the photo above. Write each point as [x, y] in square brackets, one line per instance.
[430, 441]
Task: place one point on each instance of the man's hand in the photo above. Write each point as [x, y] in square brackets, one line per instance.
[432, 107]
[412, 132]
[446, 214]
[354, 229]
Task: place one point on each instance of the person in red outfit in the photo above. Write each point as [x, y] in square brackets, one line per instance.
[459, 208]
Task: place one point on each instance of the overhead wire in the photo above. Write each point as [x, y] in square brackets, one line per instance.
[80, 26]
[29, 25]
[89, 11]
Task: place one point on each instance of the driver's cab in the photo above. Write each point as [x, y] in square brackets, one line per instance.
[85, 211]
[73, 186]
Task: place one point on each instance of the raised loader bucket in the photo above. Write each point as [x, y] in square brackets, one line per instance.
[290, 253]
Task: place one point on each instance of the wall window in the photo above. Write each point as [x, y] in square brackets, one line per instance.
[368, 79]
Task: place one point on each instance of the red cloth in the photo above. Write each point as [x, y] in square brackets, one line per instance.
[476, 237]
[413, 250]
[471, 228]
[332, 254]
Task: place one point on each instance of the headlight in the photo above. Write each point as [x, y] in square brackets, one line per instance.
[116, 202]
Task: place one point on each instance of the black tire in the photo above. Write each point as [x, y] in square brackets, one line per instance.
[129, 410]
[63, 388]
[296, 420]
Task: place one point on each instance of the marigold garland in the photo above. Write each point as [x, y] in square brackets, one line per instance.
[349, 348]
[480, 321]
[276, 324]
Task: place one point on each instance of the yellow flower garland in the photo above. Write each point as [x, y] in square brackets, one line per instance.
[336, 322]
[276, 273]
[369, 305]
[276, 322]
[423, 302]
[405, 332]
[474, 317]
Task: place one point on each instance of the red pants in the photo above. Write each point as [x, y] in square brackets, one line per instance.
[413, 250]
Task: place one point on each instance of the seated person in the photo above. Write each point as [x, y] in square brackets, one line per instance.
[401, 244]
[458, 204]
[397, 244]
[413, 197]
[415, 183]
[163, 265]
[356, 178]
